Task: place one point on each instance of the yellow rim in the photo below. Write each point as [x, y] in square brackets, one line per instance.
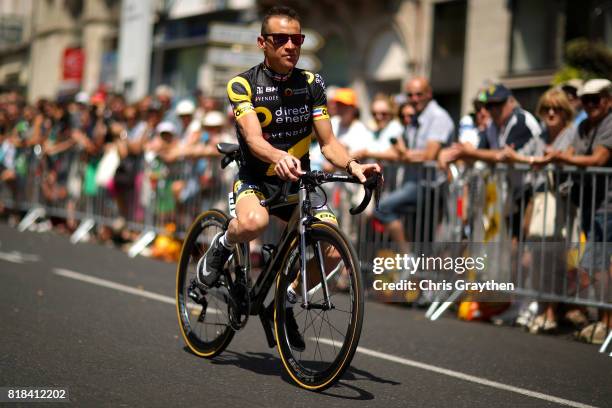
[280, 351]
[178, 269]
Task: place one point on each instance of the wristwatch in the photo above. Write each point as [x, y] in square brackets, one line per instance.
[348, 166]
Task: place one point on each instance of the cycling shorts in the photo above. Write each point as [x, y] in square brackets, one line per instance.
[244, 187]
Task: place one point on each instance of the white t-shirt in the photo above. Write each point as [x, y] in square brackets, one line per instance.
[355, 137]
[393, 130]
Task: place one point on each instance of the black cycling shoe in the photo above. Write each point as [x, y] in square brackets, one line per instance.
[211, 264]
[296, 341]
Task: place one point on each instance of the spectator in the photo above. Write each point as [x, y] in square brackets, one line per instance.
[430, 129]
[592, 146]
[347, 127]
[387, 131]
[471, 130]
[190, 128]
[571, 89]
[511, 126]
[164, 94]
[7, 164]
[556, 112]
[204, 104]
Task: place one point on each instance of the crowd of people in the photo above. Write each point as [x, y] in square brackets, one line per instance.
[88, 143]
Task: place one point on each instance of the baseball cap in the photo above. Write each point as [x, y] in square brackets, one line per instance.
[346, 96]
[185, 107]
[166, 127]
[213, 119]
[574, 83]
[595, 86]
[494, 94]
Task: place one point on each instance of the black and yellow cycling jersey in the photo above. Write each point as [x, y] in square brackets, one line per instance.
[286, 106]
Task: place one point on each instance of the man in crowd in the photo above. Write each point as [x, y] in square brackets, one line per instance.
[510, 126]
[431, 129]
[592, 146]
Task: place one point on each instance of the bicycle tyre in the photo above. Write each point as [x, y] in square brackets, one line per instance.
[202, 229]
[294, 363]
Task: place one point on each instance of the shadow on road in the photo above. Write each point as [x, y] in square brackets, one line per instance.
[269, 364]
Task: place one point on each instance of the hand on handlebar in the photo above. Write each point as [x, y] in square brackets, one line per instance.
[288, 168]
[362, 171]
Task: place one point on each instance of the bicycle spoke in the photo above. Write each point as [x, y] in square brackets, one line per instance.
[335, 328]
[331, 335]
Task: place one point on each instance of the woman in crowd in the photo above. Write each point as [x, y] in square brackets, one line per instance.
[556, 113]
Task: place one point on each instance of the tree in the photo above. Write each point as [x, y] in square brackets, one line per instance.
[585, 60]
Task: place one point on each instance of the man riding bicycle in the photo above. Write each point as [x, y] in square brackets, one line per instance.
[279, 109]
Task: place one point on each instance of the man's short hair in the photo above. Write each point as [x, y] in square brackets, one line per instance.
[278, 11]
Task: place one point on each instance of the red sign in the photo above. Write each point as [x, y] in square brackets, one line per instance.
[73, 63]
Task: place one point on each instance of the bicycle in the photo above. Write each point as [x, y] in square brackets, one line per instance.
[209, 317]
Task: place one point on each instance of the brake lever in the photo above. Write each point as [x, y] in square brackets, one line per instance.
[378, 189]
[373, 184]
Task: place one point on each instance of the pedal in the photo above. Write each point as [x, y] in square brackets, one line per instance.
[266, 316]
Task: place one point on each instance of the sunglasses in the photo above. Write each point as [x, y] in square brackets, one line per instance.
[280, 39]
[493, 105]
[590, 99]
[380, 113]
[547, 108]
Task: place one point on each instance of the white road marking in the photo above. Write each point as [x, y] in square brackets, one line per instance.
[373, 353]
[463, 376]
[121, 288]
[18, 257]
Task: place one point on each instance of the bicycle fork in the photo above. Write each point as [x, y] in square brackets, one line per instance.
[318, 255]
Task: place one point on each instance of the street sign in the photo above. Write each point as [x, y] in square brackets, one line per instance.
[247, 35]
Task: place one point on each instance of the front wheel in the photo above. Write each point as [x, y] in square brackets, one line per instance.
[204, 314]
[331, 326]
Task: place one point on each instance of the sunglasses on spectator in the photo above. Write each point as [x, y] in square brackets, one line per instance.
[280, 39]
[590, 99]
[381, 113]
[417, 94]
[547, 108]
[493, 105]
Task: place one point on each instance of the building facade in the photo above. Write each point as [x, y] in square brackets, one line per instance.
[15, 32]
[54, 47]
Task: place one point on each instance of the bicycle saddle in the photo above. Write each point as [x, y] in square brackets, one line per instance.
[227, 148]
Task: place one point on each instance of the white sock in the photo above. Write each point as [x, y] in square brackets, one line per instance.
[224, 242]
[291, 298]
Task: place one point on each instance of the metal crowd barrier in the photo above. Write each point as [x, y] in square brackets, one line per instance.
[532, 225]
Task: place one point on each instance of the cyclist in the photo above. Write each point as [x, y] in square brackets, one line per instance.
[279, 109]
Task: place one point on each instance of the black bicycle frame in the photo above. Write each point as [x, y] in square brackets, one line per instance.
[295, 228]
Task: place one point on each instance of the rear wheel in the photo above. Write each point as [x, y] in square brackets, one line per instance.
[204, 314]
[330, 331]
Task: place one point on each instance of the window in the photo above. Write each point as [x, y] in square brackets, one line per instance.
[534, 35]
[334, 58]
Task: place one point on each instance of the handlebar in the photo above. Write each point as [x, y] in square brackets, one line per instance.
[372, 185]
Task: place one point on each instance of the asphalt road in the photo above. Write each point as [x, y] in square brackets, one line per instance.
[115, 346]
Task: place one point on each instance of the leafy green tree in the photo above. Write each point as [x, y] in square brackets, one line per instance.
[585, 60]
